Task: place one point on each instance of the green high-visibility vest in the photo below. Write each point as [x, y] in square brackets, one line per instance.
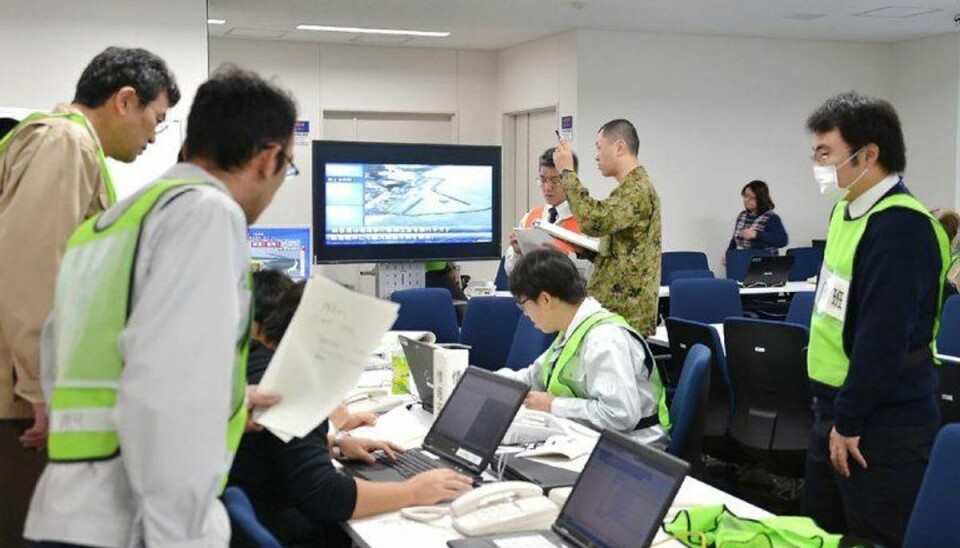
[716, 527]
[561, 385]
[91, 308]
[77, 119]
[827, 361]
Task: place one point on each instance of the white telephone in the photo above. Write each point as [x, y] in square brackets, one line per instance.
[531, 427]
[504, 507]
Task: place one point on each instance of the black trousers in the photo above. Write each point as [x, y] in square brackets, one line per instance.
[873, 503]
[20, 468]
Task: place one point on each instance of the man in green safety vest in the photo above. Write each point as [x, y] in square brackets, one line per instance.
[145, 353]
[875, 320]
[53, 175]
[598, 370]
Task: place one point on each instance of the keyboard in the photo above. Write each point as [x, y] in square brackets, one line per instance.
[408, 463]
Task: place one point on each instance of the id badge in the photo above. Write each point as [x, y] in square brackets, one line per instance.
[832, 295]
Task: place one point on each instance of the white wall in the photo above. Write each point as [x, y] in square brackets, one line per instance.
[48, 43]
[714, 113]
[926, 94]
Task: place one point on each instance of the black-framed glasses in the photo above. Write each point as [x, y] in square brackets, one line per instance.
[521, 302]
[292, 170]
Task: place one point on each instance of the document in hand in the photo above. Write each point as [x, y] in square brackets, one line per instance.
[530, 238]
[322, 355]
[575, 238]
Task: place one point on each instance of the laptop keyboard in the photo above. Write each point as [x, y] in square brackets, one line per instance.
[408, 463]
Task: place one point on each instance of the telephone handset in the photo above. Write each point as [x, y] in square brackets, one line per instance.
[504, 507]
[532, 427]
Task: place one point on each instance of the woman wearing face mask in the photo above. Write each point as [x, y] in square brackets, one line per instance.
[758, 227]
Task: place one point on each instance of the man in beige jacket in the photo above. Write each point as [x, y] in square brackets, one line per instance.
[53, 176]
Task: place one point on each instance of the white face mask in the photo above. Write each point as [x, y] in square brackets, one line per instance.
[826, 177]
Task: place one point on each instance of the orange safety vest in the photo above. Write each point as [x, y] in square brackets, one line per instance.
[535, 216]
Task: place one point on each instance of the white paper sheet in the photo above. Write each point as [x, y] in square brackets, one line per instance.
[322, 355]
[582, 240]
[530, 239]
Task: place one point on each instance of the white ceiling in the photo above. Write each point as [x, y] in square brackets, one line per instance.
[497, 24]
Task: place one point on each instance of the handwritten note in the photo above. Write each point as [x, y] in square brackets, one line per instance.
[322, 355]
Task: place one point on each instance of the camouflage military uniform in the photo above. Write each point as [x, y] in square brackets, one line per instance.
[626, 278]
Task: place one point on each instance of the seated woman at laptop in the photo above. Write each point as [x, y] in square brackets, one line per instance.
[295, 489]
[757, 226]
[598, 370]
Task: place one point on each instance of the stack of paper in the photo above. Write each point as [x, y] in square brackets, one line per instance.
[575, 238]
[322, 355]
[399, 426]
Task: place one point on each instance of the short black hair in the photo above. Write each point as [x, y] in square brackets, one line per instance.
[115, 68]
[863, 120]
[762, 192]
[268, 287]
[7, 124]
[546, 159]
[235, 115]
[547, 270]
[618, 129]
[276, 324]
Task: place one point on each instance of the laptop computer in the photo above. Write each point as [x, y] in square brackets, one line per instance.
[420, 360]
[768, 271]
[619, 500]
[465, 435]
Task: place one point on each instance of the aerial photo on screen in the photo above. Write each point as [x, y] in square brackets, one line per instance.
[401, 194]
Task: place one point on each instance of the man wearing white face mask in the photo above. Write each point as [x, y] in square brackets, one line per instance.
[870, 358]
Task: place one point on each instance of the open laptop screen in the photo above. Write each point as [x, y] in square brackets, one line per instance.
[622, 494]
[475, 418]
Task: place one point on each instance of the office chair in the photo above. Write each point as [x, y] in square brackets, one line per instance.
[671, 261]
[738, 261]
[681, 274]
[705, 300]
[528, 343]
[502, 281]
[931, 521]
[948, 340]
[806, 264]
[801, 308]
[244, 519]
[488, 328]
[688, 410]
[427, 309]
[684, 335]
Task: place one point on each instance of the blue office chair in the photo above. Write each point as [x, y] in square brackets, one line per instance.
[502, 281]
[931, 521]
[806, 264]
[671, 261]
[688, 410]
[801, 308]
[681, 274]
[948, 340]
[427, 309]
[738, 261]
[528, 343]
[488, 328]
[684, 335]
[244, 519]
[705, 300]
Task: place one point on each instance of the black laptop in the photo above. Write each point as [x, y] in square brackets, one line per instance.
[465, 435]
[619, 500]
[768, 271]
[420, 361]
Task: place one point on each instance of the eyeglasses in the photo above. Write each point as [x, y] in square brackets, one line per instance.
[292, 170]
[548, 180]
[521, 302]
[161, 127]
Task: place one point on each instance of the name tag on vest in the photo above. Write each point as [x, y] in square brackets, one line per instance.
[832, 295]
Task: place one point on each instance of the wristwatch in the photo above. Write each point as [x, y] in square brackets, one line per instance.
[564, 172]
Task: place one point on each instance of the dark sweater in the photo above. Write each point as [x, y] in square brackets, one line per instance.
[890, 313]
[772, 237]
[294, 488]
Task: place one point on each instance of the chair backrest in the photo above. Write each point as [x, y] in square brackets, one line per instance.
[948, 340]
[245, 520]
[427, 309]
[684, 335]
[738, 262]
[528, 343]
[931, 521]
[489, 324]
[502, 281]
[679, 274]
[806, 264]
[705, 300]
[688, 411]
[801, 308]
[768, 366]
[671, 261]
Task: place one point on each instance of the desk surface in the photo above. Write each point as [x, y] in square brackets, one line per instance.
[388, 529]
[791, 287]
[660, 336]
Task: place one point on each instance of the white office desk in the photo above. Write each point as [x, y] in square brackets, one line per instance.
[791, 287]
[391, 529]
[660, 336]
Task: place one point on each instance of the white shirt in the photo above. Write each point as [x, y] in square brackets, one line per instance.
[862, 204]
[610, 368]
[189, 308]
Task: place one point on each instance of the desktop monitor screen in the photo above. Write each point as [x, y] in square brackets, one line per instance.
[378, 202]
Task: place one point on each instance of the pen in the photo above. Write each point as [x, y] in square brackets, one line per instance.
[557, 132]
